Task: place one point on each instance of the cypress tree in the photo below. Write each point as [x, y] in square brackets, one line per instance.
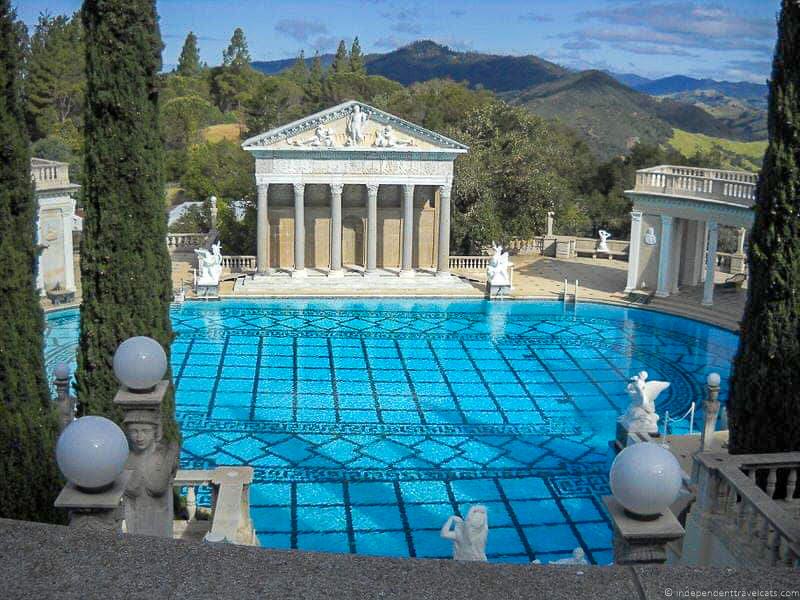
[340, 62]
[765, 388]
[28, 425]
[189, 61]
[357, 59]
[125, 267]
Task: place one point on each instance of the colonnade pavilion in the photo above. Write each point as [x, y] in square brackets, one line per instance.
[353, 189]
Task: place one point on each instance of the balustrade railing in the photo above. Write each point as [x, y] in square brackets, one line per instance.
[186, 242]
[736, 187]
[751, 502]
[239, 264]
[230, 505]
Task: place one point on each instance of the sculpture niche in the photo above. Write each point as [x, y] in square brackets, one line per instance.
[641, 416]
[498, 281]
[469, 537]
[152, 464]
[209, 266]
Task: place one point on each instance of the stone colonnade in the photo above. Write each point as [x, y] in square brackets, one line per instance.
[684, 253]
[335, 269]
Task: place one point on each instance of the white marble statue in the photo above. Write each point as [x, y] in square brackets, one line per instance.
[468, 536]
[641, 415]
[153, 463]
[209, 265]
[497, 271]
[386, 139]
[323, 137]
[650, 236]
[578, 558]
[355, 126]
[602, 246]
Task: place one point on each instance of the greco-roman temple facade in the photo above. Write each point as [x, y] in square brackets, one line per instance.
[353, 190]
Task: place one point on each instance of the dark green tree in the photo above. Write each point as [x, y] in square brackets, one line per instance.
[125, 267]
[189, 61]
[313, 87]
[357, 59]
[28, 426]
[236, 54]
[765, 387]
[56, 80]
[298, 72]
[340, 64]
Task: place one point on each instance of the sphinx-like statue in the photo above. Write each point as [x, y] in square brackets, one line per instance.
[153, 464]
[468, 536]
[641, 415]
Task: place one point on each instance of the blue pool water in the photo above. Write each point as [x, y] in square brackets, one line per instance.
[368, 423]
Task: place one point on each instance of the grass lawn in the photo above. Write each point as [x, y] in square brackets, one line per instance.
[735, 155]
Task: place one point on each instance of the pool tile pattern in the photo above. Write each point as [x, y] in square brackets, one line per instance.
[368, 424]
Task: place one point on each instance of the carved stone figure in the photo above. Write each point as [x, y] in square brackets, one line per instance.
[650, 236]
[469, 537]
[497, 277]
[152, 463]
[578, 558]
[322, 137]
[387, 139]
[210, 265]
[602, 246]
[355, 126]
[641, 415]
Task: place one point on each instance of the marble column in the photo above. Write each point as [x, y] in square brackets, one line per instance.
[633, 251]
[372, 228]
[262, 231]
[739, 260]
[336, 230]
[711, 263]
[664, 257]
[443, 258]
[299, 231]
[740, 234]
[406, 269]
[677, 253]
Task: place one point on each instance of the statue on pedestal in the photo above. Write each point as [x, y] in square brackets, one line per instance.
[152, 463]
[497, 277]
[641, 415]
[210, 265]
[602, 246]
[469, 537]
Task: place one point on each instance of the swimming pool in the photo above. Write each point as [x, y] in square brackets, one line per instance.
[369, 422]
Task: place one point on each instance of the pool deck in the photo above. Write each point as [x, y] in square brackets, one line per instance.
[535, 277]
[45, 561]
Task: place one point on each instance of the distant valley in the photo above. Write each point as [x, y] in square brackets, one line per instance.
[610, 111]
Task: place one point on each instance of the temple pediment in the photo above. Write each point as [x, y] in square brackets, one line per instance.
[353, 126]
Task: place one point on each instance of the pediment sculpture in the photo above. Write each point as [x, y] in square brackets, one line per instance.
[323, 137]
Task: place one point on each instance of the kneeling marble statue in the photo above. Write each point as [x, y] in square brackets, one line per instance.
[641, 415]
[469, 537]
[153, 462]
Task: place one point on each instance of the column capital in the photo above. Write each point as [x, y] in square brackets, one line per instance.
[712, 225]
[636, 215]
[262, 186]
[372, 188]
[666, 220]
[336, 188]
[299, 188]
[445, 190]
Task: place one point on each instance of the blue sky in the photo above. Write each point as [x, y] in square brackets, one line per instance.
[730, 39]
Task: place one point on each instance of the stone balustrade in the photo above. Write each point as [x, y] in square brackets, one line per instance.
[230, 520]
[239, 264]
[186, 242]
[731, 263]
[577, 246]
[733, 187]
[746, 511]
[527, 247]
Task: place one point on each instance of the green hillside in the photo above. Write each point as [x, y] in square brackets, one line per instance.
[734, 155]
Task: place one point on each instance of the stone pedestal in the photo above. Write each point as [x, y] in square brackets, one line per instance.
[639, 542]
[99, 511]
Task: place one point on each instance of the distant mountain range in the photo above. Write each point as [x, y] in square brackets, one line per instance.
[611, 111]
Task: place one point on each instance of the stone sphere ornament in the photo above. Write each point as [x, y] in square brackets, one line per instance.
[61, 371]
[140, 363]
[645, 479]
[91, 452]
[713, 380]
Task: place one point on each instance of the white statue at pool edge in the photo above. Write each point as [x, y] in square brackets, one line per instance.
[641, 415]
[468, 536]
[497, 278]
[602, 246]
[210, 265]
